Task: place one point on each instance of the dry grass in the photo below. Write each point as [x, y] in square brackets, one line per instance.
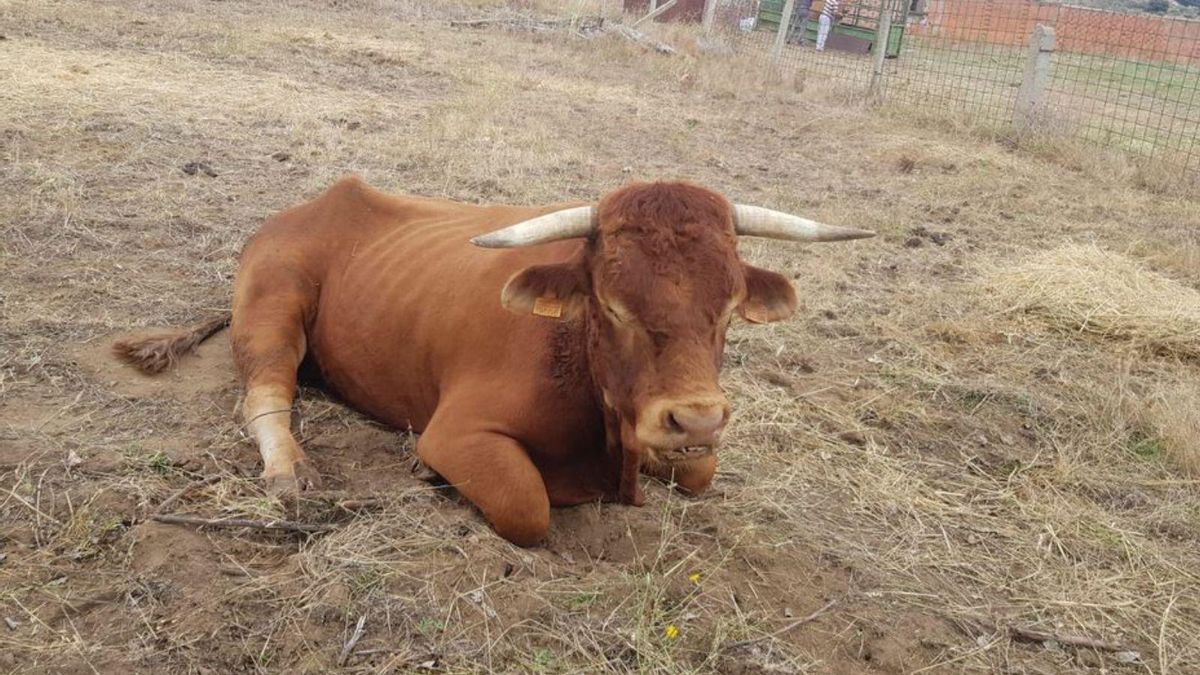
[1173, 416]
[1086, 289]
[902, 447]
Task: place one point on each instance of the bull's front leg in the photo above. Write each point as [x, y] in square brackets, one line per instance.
[495, 473]
[623, 450]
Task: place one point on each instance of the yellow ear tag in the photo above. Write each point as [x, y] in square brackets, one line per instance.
[755, 314]
[551, 307]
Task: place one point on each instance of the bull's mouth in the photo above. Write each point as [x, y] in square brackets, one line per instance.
[685, 454]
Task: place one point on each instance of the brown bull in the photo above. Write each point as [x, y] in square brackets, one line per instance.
[552, 373]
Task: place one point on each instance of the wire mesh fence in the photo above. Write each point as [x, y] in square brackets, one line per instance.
[1128, 81]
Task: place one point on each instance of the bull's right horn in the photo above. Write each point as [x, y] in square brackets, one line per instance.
[755, 221]
[566, 224]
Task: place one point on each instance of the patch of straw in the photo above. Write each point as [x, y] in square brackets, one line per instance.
[1090, 290]
[1174, 416]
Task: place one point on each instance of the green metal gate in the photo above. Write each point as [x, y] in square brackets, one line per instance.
[860, 21]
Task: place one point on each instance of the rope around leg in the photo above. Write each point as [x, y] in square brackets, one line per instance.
[264, 414]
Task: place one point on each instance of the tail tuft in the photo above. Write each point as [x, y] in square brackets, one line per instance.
[155, 353]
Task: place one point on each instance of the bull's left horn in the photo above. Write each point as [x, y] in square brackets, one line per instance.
[566, 224]
[755, 221]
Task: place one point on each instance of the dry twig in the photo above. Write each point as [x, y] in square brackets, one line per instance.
[184, 490]
[982, 624]
[360, 504]
[785, 629]
[638, 37]
[354, 638]
[1031, 635]
[285, 525]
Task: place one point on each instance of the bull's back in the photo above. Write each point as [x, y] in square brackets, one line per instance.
[409, 308]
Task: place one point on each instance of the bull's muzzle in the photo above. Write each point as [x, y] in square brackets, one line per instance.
[684, 429]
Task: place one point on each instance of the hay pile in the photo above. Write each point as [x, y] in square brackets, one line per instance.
[1085, 288]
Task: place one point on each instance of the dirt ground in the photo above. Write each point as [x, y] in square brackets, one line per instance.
[946, 474]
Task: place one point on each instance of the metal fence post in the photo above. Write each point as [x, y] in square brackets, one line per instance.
[710, 10]
[1031, 96]
[883, 35]
[785, 25]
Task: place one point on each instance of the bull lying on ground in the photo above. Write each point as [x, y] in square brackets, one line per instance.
[552, 373]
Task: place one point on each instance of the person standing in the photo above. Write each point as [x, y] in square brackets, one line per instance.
[799, 23]
[825, 22]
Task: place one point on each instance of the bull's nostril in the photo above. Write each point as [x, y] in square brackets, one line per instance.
[701, 423]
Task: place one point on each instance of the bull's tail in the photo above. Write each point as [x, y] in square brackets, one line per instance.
[155, 353]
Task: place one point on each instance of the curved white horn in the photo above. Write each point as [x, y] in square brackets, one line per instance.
[565, 224]
[755, 221]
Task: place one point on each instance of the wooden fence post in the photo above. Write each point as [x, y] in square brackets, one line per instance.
[785, 26]
[883, 35]
[1031, 98]
[710, 10]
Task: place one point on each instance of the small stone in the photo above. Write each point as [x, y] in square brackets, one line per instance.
[193, 168]
[788, 613]
[12, 623]
[1128, 657]
[853, 438]
[981, 439]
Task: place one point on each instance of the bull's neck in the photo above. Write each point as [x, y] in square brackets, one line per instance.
[573, 368]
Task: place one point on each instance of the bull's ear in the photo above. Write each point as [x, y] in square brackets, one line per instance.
[557, 291]
[769, 296]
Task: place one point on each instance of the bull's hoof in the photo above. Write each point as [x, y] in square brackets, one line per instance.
[301, 478]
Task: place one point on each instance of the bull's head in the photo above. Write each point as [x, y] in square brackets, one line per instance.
[656, 284]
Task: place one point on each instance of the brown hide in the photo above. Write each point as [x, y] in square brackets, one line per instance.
[405, 320]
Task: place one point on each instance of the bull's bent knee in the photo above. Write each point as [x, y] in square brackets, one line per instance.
[524, 524]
